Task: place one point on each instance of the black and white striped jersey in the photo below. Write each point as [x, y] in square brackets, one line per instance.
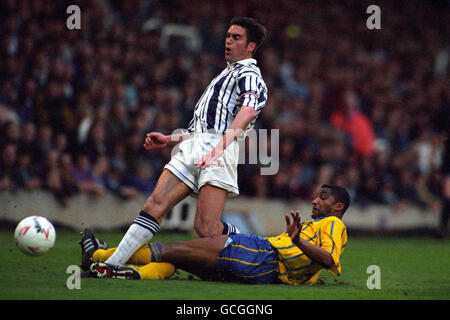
[240, 84]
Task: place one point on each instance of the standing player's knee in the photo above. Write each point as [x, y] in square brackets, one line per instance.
[206, 229]
[200, 230]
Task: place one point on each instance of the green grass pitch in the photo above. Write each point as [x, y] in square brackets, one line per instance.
[410, 268]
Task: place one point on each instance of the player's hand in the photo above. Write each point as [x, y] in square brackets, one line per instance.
[293, 229]
[208, 159]
[156, 140]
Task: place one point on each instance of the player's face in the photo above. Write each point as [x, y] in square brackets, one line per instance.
[322, 203]
[236, 46]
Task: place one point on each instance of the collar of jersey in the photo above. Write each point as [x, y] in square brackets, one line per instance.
[243, 62]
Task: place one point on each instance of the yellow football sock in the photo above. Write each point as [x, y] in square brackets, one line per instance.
[141, 257]
[101, 255]
[156, 270]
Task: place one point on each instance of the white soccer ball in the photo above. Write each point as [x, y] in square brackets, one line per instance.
[35, 235]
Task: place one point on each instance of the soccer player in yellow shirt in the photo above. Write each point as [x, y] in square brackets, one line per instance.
[296, 256]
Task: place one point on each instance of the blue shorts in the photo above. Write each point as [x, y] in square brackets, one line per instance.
[248, 259]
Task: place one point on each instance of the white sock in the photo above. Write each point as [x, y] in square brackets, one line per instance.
[140, 232]
[229, 228]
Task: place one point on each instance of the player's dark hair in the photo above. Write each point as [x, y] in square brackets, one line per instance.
[256, 32]
[340, 195]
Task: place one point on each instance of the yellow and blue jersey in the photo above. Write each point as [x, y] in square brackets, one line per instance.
[259, 260]
[294, 267]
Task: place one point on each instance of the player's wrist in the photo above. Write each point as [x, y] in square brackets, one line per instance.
[296, 240]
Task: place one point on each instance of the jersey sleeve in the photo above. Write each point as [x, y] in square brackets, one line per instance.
[333, 238]
[251, 91]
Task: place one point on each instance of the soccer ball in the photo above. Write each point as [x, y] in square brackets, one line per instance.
[35, 235]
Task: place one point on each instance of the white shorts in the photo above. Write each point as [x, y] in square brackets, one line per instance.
[222, 173]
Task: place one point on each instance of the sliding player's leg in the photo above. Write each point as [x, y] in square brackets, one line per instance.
[237, 257]
[168, 191]
[196, 256]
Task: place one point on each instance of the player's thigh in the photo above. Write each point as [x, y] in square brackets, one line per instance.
[168, 192]
[211, 202]
[202, 252]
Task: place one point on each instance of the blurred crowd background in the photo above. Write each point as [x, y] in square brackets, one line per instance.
[365, 109]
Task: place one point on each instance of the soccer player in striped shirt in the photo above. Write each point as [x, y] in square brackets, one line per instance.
[206, 163]
[294, 257]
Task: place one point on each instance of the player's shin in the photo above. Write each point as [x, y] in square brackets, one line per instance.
[140, 232]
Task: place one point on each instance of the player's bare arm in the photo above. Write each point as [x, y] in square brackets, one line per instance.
[157, 140]
[240, 122]
[313, 252]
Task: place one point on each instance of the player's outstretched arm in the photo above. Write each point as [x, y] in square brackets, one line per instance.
[313, 252]
[157, 140]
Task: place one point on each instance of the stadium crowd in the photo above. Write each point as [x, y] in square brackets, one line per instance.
[365, 109]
